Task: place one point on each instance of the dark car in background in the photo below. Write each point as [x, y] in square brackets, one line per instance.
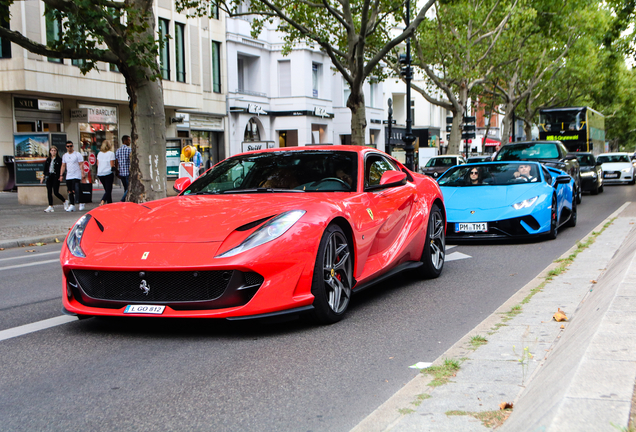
[550, 153]
[591, 173]
[437, 165]
[477, 159]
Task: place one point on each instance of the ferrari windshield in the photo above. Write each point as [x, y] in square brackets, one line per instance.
[281, 171]
[492, 174]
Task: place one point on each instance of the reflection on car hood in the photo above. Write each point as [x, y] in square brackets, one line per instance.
[489, 197]
[192, 219]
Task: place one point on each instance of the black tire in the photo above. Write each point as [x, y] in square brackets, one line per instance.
[595, 190]
[554, 223]
[601, 189]
[434, 253]
[633, 182]
[574, 216]
[579, 195]
[333, 276]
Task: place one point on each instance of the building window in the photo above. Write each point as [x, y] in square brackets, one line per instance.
[214, 12]
[5, 45]
[372, 94]
[216, 67]
[316, 77]
[164, 53]
[53, 31]
[284, 78]
[240, 68]
[179, 31]
[346, 92]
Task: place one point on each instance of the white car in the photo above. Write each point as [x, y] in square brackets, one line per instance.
[617, 167]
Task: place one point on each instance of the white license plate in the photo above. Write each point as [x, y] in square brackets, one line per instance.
[471, 227]
[144, 309]
[611, 175]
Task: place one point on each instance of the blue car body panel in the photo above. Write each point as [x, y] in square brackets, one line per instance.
[493, 204]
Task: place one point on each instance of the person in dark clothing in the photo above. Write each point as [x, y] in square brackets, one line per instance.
[52, 168]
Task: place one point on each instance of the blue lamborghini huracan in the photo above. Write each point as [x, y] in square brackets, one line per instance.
[507, 200]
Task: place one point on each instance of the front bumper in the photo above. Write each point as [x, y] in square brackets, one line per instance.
[617, 177]
[519, 227]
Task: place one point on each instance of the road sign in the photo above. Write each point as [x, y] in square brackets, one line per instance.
[91, 159]
[86, 167]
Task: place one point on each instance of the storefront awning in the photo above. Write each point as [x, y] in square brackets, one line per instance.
[491, 142]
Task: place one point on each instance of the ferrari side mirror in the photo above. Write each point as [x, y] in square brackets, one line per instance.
[181, 183]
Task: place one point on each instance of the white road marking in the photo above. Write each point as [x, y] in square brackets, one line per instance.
[36, 326]
[29, 264]
[450, 247]
[34, 256]
[456, 256]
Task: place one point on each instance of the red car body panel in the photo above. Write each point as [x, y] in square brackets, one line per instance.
[187, 233]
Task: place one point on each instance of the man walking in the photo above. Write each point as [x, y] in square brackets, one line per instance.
[123, 163]
[72, 162]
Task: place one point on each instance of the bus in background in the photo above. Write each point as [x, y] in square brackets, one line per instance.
[581, 129]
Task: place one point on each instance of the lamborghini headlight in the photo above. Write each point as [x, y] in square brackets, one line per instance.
[74, 239]
[271, 230]
[525, 203]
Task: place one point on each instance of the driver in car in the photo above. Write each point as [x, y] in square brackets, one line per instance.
[525, 172]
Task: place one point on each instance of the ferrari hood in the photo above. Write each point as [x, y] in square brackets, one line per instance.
[194, 219]
[489, 197]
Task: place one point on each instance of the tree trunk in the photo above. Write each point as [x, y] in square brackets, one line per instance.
[456, 134]
[148, 136]
[358, 117]
[507, 123]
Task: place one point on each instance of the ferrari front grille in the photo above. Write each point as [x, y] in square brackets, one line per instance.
[153, 286]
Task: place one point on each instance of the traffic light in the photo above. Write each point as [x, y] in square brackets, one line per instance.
[468, 129]
[405, 68]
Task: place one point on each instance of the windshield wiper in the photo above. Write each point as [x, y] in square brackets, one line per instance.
[260, 190]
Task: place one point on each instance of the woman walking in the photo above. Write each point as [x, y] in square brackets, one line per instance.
[52, 168]
[105, 164]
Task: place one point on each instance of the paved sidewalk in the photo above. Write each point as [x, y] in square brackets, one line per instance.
[576, 375]
[23, 224]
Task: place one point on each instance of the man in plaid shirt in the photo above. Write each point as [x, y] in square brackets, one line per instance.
[123, 163]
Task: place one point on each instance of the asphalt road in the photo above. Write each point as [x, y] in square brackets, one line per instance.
[157, 374]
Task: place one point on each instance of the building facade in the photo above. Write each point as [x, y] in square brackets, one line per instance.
[50, 101]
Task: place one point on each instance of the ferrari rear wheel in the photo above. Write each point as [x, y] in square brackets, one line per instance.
[333, 276]
[554, 223]
[435, 247]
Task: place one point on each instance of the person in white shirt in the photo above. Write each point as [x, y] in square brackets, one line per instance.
[72, 162]
[105, 165]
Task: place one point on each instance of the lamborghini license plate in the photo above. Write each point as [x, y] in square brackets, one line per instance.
[144, 309]
[471, 227]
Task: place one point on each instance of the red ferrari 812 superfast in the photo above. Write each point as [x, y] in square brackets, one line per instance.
[260, 234]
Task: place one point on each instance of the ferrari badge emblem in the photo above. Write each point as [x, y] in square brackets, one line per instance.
[370, 213]
[145, 255]
[144, 286]
[472, 212]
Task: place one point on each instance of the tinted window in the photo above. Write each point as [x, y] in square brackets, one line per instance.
[613, 158]
[441, 162]
[491, 175]
[528, 151]
[586, 159]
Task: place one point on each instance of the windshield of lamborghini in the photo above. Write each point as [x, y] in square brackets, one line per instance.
[283, 171]
[491, 175]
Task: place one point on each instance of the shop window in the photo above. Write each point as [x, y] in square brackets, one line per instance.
[216, 67]
[288, 138]
[53, 31]
[251, 131]
[210, 145]
[179, 30]
[318, 134]
[164, 53]
[25, 127]
[345, 93]
[5, 45]
[345, 139]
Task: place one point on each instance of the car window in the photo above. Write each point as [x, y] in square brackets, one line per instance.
[375, 166]
[586, 159]
[546, 174]
[613, 158]
[528, 151]
[490, 175]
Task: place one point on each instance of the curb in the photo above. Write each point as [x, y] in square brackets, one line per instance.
[387, 415]
[25, 241]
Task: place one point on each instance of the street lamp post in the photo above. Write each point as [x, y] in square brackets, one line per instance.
[408, 138]
[387, 145]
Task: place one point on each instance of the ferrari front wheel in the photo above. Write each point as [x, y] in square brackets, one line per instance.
[435, 247]
[333, 276]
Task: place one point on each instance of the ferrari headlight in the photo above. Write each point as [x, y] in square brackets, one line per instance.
[74, 239]
[525, 203]
[271, 230]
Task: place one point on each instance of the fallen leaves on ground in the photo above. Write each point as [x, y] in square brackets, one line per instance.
[593, 281]
[560, 316]
[31, 250]
[505, 405]
[37, 244]
[57, 241]
[1, 249]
